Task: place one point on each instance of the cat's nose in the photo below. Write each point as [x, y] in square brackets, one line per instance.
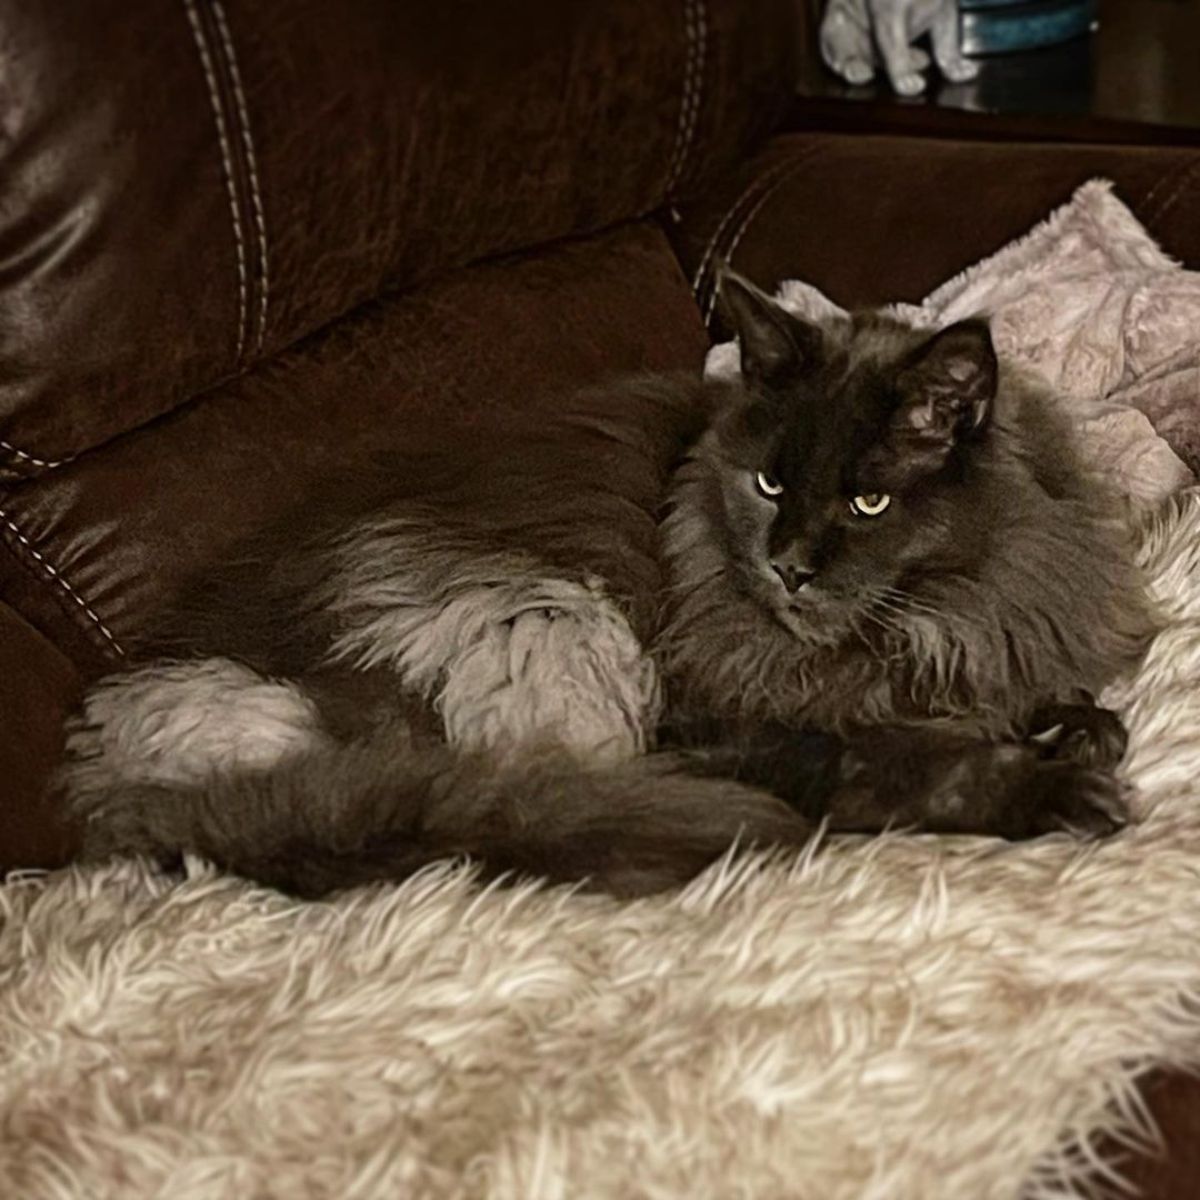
[794, 575]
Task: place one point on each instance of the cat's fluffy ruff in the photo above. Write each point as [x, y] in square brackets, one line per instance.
[1036, 594]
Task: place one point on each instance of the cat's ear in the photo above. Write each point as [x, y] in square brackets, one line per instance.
[947, 388]
[775, 345]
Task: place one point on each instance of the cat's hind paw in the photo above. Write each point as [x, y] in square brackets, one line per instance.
[959, 70]
[908, 83]
[177, 723]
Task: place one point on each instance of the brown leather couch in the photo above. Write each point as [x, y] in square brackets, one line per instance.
[245, 245]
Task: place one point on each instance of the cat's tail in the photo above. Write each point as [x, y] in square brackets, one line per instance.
[348, 815]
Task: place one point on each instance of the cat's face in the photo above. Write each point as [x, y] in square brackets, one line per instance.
[844, 462]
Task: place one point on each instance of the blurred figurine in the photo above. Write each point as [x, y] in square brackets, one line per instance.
[857, 34]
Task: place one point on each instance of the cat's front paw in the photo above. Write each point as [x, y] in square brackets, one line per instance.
[1084, 801]
[1082, 733]
[1014, 792]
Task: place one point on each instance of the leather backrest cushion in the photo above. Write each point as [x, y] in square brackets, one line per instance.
[94, 549]
[187, 186]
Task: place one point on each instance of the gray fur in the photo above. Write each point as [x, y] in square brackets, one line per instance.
[371, 812]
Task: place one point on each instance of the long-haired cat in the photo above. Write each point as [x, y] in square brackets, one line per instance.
[881, 572]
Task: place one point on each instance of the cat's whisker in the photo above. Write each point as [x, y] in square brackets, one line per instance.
[887, 626]
[887, 605]
[885, 612]
[909, 604]
[908, 599]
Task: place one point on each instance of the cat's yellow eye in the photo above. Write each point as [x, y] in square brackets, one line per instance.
[870, 505]
[768, 485]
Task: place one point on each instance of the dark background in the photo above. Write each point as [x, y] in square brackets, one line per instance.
[1136, 79]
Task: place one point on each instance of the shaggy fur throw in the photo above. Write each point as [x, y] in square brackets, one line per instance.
[905, 1018]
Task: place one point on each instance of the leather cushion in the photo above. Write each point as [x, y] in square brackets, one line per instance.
[190, 185]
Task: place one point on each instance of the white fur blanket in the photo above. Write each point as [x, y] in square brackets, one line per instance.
[883, 1019]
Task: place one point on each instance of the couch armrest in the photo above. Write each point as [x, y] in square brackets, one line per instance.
[872, 219]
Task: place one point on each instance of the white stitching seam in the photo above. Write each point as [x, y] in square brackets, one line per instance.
[29, 458]
[730, 214]
[57, 578]
[696, 24]
[737, 237]
[770, 182]
[260, 224]
[1177, 191]
[227, 166]
[1165, 178]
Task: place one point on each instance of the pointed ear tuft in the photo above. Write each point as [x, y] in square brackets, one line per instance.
[947, 388]
[775, 345]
